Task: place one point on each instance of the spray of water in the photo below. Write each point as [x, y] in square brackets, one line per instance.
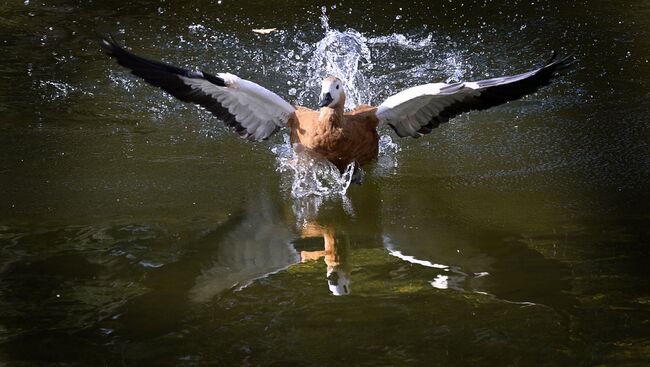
[346, 55]
[312, 175]
[341, 54]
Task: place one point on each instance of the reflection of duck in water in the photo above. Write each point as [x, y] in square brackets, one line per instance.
[341, 137]
[335, 255]
[256, 245]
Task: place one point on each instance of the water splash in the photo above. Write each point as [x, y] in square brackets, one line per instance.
[387, 157]
[455, 67]
[372, 67]
[313, 177]
[312, 180]
[56, 89]
[311, 174]
[348, 55]
[401, 41]
[341, 54]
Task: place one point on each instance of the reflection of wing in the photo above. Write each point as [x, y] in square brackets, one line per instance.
[416, 111]
[258, 246]
[252, 110]
[448, 274]
[462, 260]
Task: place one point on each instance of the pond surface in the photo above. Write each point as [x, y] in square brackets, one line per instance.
[136, 230]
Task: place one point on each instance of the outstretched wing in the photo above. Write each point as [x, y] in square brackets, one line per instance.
[252, 110]
[416, 111]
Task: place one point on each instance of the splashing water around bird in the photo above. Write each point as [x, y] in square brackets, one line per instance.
[372, 67]
[312, 174]
[339, 54]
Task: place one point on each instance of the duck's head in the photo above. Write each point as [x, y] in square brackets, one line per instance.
[331, 93]
[338, 281]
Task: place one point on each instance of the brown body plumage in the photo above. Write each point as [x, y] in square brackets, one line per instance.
[339, 137]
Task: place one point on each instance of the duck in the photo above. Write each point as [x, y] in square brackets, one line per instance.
[342, 137]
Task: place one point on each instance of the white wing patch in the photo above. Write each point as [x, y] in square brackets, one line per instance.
[252, 110]
[418, 110]
[255, 108]
[411, 109]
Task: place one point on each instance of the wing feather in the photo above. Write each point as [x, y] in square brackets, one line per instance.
[436, 103]
[250, 109]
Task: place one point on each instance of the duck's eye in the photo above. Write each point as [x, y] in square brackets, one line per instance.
[337, 87]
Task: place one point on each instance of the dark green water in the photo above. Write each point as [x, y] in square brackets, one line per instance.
[137, 231]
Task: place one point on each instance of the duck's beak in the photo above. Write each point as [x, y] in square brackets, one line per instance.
[325, 100]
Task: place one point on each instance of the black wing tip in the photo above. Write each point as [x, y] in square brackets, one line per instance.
[108, 43]
[113, 49]
[560, 63]
[216, 80]
[144, 68]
